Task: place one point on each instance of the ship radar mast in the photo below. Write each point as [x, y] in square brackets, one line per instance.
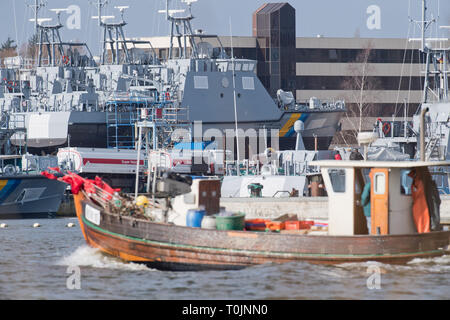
[181, 29]
[38, 4]
[48, 36]
[114, 36]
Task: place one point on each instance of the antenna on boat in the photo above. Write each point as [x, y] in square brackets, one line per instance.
[58, 13]
[233, 75]
[436, 57]
[117, 42]
[40, 20]
[38, 4]
[100, 4]
[189, 4]
[122, 10]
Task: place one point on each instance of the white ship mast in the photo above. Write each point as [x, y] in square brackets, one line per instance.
[438, 57]
[181, 28]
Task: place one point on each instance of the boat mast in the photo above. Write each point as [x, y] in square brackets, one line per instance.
[115, 33]
[186, 33]
[234, 101]
[439, 59]
[38, 4]
[100, 4]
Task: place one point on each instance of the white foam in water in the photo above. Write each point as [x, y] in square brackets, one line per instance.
[85, 256]
[427, 265]
[444, 260]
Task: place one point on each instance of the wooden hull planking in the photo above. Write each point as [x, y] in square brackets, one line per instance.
[170, 247]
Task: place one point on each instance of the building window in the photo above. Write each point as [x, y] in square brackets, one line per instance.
[345, 83]
[350, 55]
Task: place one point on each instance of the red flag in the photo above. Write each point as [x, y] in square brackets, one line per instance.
[105, 187]
[75, 184]
[88, 186]
[57, 169]
[48, 175]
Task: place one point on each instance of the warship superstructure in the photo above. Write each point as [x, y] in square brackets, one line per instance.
[69, 98]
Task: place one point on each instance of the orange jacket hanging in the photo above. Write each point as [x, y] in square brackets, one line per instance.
[421, 214]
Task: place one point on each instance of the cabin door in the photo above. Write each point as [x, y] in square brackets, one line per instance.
[379, 201]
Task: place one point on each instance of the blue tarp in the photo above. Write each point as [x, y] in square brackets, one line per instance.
[191, 145]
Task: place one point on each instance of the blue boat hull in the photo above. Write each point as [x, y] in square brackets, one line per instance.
[29, 196]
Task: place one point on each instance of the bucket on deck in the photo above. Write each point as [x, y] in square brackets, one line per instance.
[194, 218]
[209, 222]
[230, 222]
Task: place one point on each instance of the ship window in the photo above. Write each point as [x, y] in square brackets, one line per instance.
[380, 183]
[406, 182]
[337, 178]
[200, 82]
[236, 65]
[248, 83]
[245, 67]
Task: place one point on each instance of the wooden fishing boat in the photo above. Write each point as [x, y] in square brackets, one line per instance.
[393, 237]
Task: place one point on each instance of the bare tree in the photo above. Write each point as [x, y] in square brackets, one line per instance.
[8, 49]
[360, 86]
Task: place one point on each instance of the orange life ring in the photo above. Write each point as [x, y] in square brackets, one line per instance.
[167, 96]
[386, 128]
[65, 60]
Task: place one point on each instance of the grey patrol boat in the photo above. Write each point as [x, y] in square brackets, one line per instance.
[70, 99]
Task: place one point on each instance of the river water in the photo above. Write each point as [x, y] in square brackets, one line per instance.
[53, 261]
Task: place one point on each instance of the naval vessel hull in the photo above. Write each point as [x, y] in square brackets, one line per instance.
[29, 196]
[52, 130]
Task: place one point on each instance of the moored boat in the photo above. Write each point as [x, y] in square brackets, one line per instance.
[29, 196]
[393, 234]
[24, 192]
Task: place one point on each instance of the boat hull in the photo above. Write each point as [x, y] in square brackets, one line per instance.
[171, 247]
[319, 127]
[29, 196]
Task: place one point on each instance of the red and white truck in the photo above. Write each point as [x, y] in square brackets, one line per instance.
[116, 166]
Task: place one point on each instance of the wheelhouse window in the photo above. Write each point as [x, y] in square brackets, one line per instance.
[337, 177]
[380, 183]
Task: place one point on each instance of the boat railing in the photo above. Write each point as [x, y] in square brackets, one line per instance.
[394, 129]
[279, 192]
[161, 113]
[321, 106]
[258, 167]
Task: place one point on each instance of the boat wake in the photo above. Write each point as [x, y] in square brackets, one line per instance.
[422, 265]
[85, 256]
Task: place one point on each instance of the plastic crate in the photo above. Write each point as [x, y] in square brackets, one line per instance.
[298, 225]
[255, 224]
[275, 225]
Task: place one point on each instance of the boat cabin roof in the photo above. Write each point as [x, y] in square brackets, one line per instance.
[377, 164]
